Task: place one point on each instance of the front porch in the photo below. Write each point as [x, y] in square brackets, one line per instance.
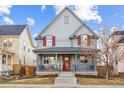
[54, 62]
[6, 58]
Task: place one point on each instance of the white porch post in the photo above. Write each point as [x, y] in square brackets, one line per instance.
[38, 62]
[56, 59]
[57, 64]
[0, 63]
[94, 64]
[75, 63]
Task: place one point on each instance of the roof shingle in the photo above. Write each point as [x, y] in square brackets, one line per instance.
[118, 33]
[11, 29]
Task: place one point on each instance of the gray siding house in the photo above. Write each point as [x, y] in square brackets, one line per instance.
[66, 44]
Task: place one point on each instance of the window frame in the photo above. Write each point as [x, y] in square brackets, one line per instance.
[85, 59]
[66, 19]
[49, 41]
[48, 59]
[82, 39]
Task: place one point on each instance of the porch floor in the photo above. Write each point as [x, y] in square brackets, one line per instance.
[46, 73]
[87, 72]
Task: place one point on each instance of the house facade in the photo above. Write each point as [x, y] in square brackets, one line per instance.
[118, 66]
[66, 44]
[15, 47]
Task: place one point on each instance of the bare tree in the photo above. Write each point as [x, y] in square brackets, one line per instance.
[109, 53]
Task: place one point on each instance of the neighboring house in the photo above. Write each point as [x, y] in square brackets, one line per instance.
[66, 44]
[15, 47]
[118, 37]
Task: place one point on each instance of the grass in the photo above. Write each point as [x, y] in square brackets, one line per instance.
[34, 80]
[99, 81]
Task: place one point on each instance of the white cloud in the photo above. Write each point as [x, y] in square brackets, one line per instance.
[30, 21]
[86, 13]
[5, 10]
[43, 7]
[8, 20]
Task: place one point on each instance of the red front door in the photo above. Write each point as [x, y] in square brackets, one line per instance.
[66, 63]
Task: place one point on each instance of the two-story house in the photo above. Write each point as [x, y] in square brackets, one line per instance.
[66, 44]
[118, 52]
[15, 47]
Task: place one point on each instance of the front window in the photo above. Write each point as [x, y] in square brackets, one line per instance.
[49, 59]
[49, 40]
[4, 59]
[83, 59]
[9, 59]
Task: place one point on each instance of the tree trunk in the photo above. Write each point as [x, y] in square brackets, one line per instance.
[107, 73]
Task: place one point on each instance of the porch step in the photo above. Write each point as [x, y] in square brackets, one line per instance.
[66, 74]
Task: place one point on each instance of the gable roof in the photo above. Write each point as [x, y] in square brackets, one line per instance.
[10, 30]
[14, 30]
[121, 40]
[66, 8]
[118, 33]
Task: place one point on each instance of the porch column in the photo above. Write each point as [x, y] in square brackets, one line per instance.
[56, 59]
[0, 63]
[57, 64]
[94, 64]
[75, 64]
[38, 62]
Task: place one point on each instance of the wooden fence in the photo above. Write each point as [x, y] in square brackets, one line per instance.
[24, 69]
[102, 70]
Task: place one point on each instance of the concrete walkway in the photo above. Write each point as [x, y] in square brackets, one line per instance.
[65, 80]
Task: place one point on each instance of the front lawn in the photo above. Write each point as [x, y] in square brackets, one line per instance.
[34, 80]
[99, 81]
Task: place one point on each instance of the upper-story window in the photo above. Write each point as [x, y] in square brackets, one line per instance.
[66, 19]
[49, 40]
[7, 43]
[83, 40]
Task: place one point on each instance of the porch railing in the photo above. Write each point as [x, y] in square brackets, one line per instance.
[82, 68]
[6, 67]
[75, 68]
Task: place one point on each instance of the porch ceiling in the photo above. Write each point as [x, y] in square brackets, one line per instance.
[66, 50]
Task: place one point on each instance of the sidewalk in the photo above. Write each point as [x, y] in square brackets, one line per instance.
[100, 86]
[51, 86]
[25, 85]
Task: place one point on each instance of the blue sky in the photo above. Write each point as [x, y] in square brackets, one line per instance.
[38, 17]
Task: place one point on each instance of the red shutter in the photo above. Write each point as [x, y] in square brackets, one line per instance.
[79, 40]
[88, 40]
[44, 41]
[53, 41]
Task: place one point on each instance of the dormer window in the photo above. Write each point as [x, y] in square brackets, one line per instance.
[66, 19]
[83, 40]
[49, 40]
